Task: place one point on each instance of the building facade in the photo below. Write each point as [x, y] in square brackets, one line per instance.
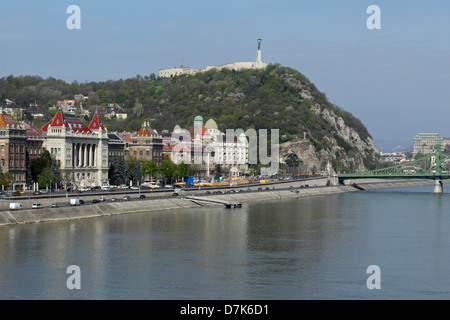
[425, 143]
[13, 143]
[78, 148]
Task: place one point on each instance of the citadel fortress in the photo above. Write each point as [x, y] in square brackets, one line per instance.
[258, 64]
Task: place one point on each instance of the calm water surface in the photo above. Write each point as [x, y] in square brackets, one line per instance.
[312, 248]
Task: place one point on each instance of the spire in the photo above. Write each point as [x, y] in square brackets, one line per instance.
[258, 63]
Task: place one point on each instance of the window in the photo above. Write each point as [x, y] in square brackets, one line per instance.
[3, 162]
[3, 149]
[140, 153]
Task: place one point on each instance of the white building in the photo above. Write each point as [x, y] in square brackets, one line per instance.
[258, 64]
[425, 143]
[78, 148]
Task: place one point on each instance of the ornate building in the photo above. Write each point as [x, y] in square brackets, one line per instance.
[13, 142]
[146, 144]
[81, 149]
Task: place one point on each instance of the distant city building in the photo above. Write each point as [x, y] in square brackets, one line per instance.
[425, 143]
[35, 111]
[114, 110]
[258, 64]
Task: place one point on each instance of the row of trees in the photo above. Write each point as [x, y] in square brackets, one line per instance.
[136, 171]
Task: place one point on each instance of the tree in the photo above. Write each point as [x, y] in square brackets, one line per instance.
[46, 177]
[138, 108]
[137, 176]
[66, 177]
[118, 172]
[149, 168]
[38, 165]
[167, 169]
[6, 179]
[183, 170]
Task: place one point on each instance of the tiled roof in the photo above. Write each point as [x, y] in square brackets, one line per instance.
[6, 119]
[67, 120]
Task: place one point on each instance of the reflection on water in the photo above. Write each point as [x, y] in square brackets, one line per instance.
[312, 248]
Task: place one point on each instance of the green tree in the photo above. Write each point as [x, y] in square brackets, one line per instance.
[149, 168]
[46, 177]
[167, 169]
[37, 165]
[183, 170]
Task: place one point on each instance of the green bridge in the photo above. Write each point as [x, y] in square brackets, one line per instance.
[434, 166]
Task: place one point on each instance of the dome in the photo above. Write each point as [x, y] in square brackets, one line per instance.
[177, 128]
[198, 118]
[211, 124]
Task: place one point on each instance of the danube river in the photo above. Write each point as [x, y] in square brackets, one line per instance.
[310, 248]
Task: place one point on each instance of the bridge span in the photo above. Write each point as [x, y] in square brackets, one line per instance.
[434, 166]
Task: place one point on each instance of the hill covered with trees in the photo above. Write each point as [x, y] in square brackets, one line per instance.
[277, 97]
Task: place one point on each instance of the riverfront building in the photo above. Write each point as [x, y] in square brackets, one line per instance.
[78, 148]
[13, 143]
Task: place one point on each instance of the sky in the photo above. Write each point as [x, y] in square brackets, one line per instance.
[395, 79]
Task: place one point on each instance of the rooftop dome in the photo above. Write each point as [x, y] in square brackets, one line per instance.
[177, 128]
[211, 124]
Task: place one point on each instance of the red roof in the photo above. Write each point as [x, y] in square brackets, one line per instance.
[145, 131]
[66, 120]
[125, 136]
[198, 130]
[33, 131]
[6, 119]
[96, 123]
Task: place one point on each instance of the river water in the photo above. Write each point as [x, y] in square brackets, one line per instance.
[310, 248]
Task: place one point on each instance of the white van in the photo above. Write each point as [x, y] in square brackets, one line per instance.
[37, 206]
[75, 202]
[15, 206]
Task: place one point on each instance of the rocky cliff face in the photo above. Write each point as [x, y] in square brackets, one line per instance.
[342, 142]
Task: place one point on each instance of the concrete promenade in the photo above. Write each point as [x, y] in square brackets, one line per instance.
[275, 192]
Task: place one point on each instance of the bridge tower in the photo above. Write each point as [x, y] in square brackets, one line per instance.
[438, 187]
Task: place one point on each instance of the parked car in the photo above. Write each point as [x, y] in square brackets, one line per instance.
[134, 188]
[114, 199]
[175, 194]
[55, 205]
[81, 201]
[207, 192]
[37, 206]
[126, 198]
[85, 189]
[142, 196]
[96, 201]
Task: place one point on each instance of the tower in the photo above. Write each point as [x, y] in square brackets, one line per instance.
[258, 55]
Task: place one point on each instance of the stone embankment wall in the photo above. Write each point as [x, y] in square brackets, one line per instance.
[28, 215]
